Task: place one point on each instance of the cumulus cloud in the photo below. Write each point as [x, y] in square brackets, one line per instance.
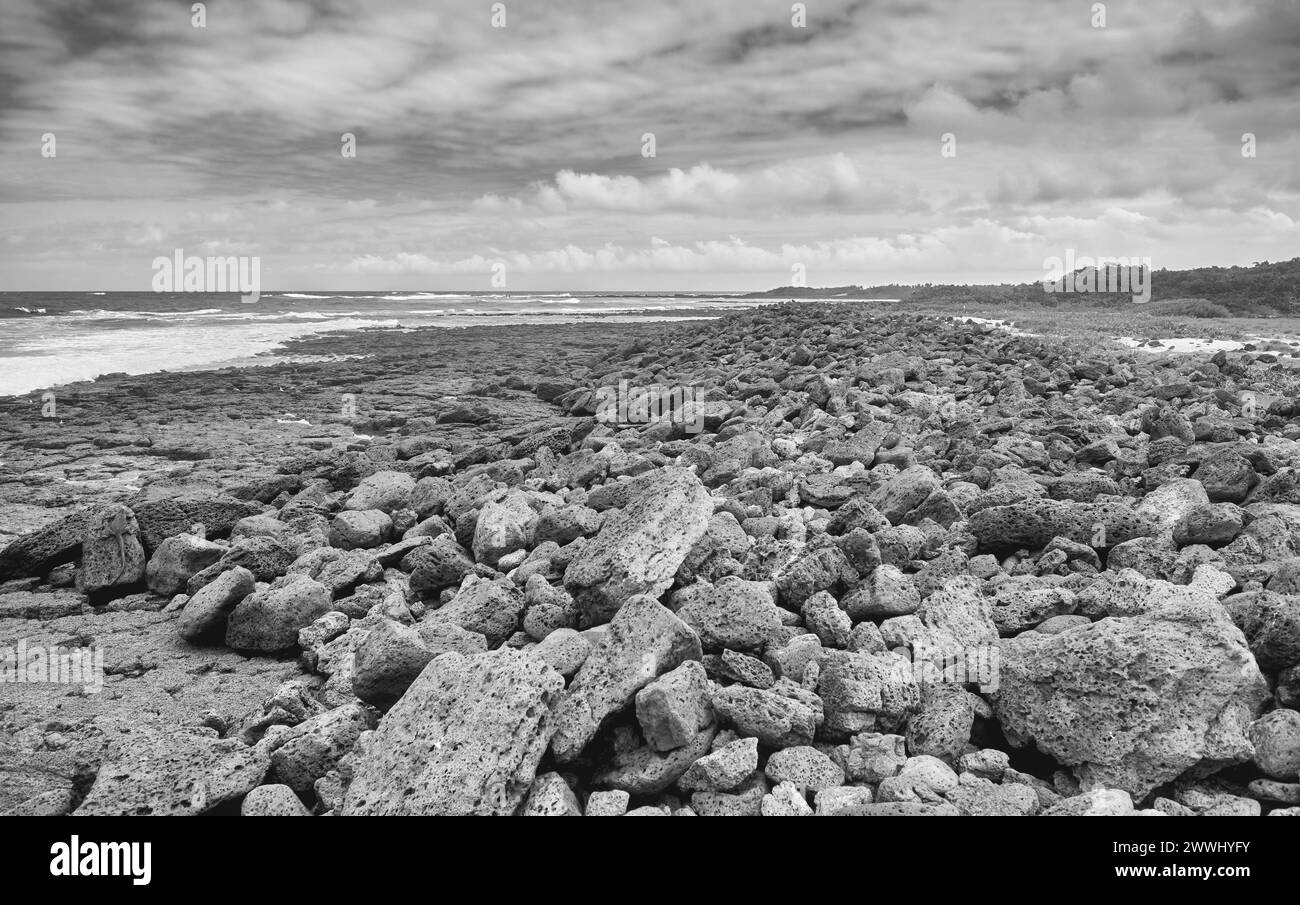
[824, 183]
[982, 246]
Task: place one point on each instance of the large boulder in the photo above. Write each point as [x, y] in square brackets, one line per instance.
[1226, 475]
[1276, 737]
[466, 738]
[779, 717]
[1033, 523]
[1134, 703]
[387, 660]
[644, 640]
[269, 620]
[904, 492]
[491, 608]
[383, 490]
[151, 771]
[639, 550]
[504, 526]
[39, 551]
[205, 614]
[354, 529]
[1173, 501]
[177, 560]
[959, 619]
[313, 747]
[438, 565]
[733, 614]
[266, 557]
[167, 516]
[111, 553]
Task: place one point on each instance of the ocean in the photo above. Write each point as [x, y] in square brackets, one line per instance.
[52, 338]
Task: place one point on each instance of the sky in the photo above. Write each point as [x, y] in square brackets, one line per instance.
[868, 141]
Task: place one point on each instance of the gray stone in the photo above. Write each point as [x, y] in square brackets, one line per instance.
[205, 614]
[466, 738]
[266, 557]
[785, 800]
[111, 553]
[745, 669]
[823, 616]
[736, 614]
[273, 801]
[673, 709]
[862, 692]
[976, 796]
[384, 491]
[315, 746]
[491, 608]
[1276, 737]
[804, 766]
[551, 797]
[959, 618]
[1033, 523]
[791, 659]
[436, 566]
[608, 803]
[565, 649]
[943, 726]
[360, 529]
[778, 718]
[886, 592]
[1097, 803]
[744, 802]
[724, 769]
[645, 771]
[386, 661]
[842, 801]
[873, 757]
[177, 560]
[1132, 703]
[639, 550]
[155, 771]
[922, 779]
[269, 620]
[644, 640]
[986, 763]
[504, 526]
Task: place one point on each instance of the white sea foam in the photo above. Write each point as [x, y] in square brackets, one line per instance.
[80, 344]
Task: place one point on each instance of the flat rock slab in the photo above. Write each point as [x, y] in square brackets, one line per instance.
[55, 731]
[40, 604]
[158, 772]
[465, 739]
[43, 549]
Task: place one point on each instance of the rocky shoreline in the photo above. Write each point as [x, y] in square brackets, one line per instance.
[855, 565]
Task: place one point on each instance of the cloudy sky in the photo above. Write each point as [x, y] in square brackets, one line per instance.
[775, 145]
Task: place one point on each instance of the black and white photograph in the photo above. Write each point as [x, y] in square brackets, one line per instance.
[720, 408]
